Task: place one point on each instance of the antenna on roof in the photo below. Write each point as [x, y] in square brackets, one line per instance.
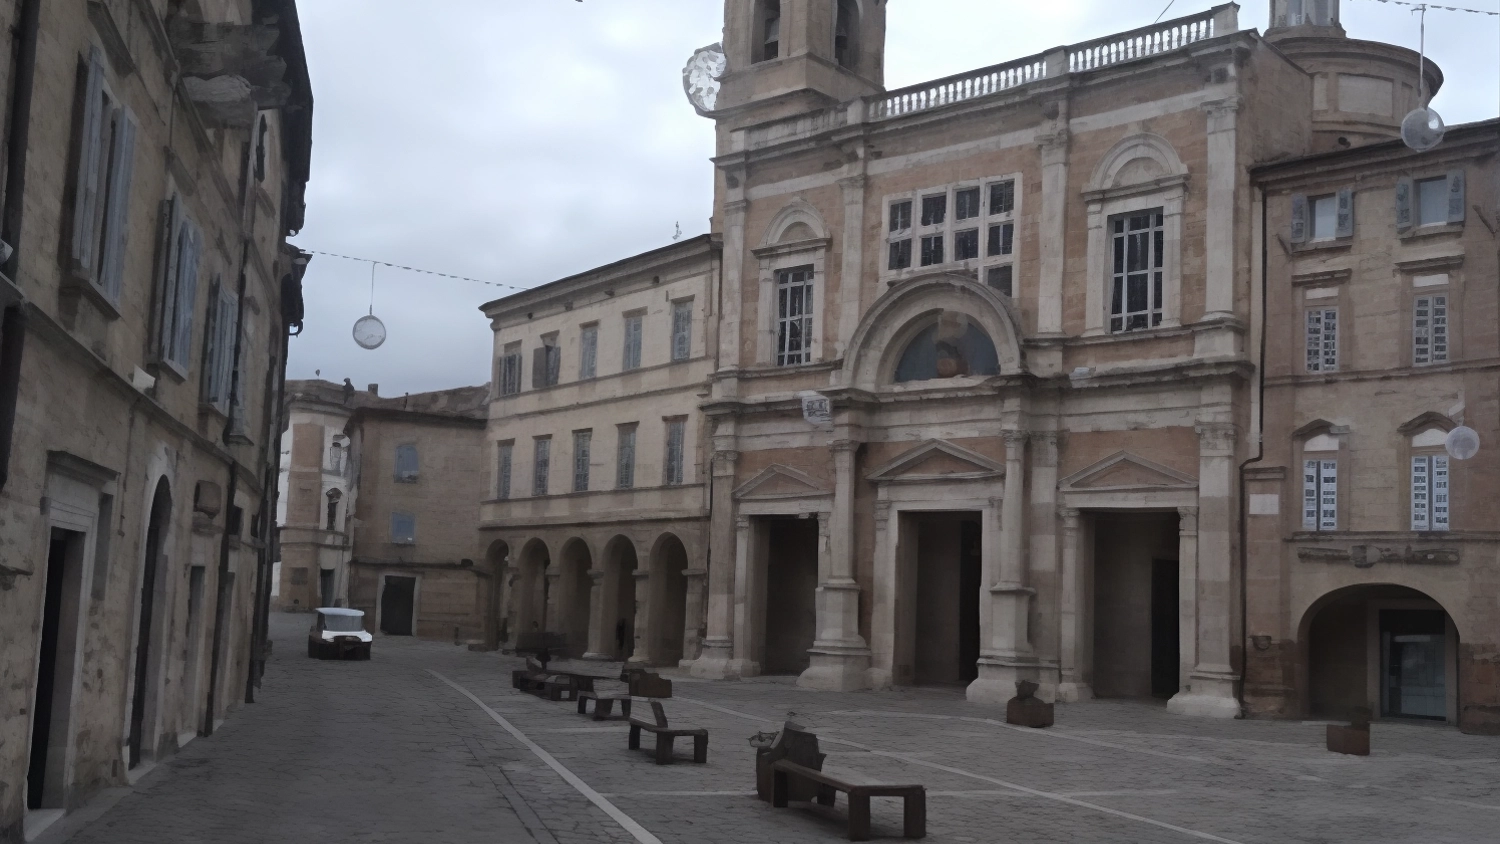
[678, 235]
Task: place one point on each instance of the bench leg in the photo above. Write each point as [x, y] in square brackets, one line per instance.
[625, 707]
[700, 749]
[826, 795]
[602, 708]
[583, 706]
[663, 749]
[778, 789]
[915, 807]
[859, 817]
[635, 737]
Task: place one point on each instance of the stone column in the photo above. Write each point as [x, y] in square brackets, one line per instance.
[749, 601]
[601, 632]
[840, 656]
[1187, 594]
[718, 644]
[551, 580]
[640, 648]
[851, 271]
[1223, 177]
[882, 673]
[1211, 685]
[1074, 648]
[1042, 567]
[1008, 656]
[697, 592]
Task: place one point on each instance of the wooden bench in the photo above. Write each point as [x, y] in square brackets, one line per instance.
[561, 687]
[646, 684]
[783, 771]
[604, 705]
[665, 736]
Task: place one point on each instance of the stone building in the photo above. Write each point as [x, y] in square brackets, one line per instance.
[1372, 559]
[156, 157]
[382, 505]
[598, 510]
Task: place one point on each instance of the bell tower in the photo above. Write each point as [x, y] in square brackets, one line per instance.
[792, 56]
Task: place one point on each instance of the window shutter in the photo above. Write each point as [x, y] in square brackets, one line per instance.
[1455, 196]
[1440, 492]
[1310, 495]
[1421, 331]
[554, 365]
[187, 294]
[117, 214]
[213, 319]
[1403, 205]
[1314, 340]
[1299, 218]
[1345, 224]
[86, 197]
[539, 367]
[1439, 329]
[171, 212]
[1419, 491]
[229, 310]
[1328, 498]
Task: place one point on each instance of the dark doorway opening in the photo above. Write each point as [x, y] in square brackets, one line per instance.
[948, 557]
[669, 600]
[325, 588]
[156, 533]
[791, 594]
[398, 601]
[47, 679]
[1413, 657]
[1166, 644]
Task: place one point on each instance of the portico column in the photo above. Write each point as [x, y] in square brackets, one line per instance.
[1042, 556]
[599, 638]
[883, 614]
[640, 646]
[1187, 594]
[697, 586]
[718, 644]
[749, 601]
[1074, 685]
[551, 578]
[1212, 683]
[1008, 656]
[840, 656]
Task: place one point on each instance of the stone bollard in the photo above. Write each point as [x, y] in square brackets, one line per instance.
[1025, 709]
[1353, 739]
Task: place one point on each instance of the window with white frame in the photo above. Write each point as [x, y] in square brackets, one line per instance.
[101, 196]
[631, 357]
[1433, 201]
[682, 329]
[933, 229]
[1430, 491]
[510, 369]
[1322, 219]
[1320, 483]
[588, 351]
[179, 289]
[966, 217]
[1322, 339]
[1138, 254]
[794, 316]
[403, 528]
[972, 224]
[672, 466]
[899, 235]
[583, 445]
[1429, 330]
[625, 457]
[541, 465]
[505, 461]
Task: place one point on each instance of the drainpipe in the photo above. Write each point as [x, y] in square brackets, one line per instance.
[1260, 453]
[271, 537]
[23, 71]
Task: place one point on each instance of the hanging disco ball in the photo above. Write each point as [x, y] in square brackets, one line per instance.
[1462, 443]
[369, 332]
[1422, 129]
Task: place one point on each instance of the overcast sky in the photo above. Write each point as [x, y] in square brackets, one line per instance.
[521, 141]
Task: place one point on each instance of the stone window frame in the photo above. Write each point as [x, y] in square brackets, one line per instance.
[397, 539]
[1311, 433]
[505, 468]
[1321, 290]
[583, 453]
[773, 260]
[1424, 436]
[951, 226]
[541, 470]
[588, 351]
[682, 333]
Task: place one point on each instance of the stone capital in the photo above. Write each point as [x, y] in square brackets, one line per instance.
[736, 207]
[1187, 521]
[741, 522]
[1015, 443]
[854, 184]
[1054, 146]
[1216, 438]
[1222, 114]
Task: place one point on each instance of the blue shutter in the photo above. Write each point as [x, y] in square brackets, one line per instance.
[86, 196]
[117, 213]
[187, 295]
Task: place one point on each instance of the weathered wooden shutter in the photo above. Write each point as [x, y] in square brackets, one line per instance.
[625, 476]
[507, 452]
[214, 318]
[1345, 224]
[539, 367]
[1403, 204]
[1299, 218]
[1328, 496]
[1440, 507]
[229, 315]
[588, 352]
[554, 365]
[117, 212]
[1420, 488]
[90, 159]
[187, 294]
[1310, 495]
[682, 330]
[1456, 196]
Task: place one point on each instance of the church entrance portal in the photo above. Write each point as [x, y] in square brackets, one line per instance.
[1137, 646]
[946, 561]
[791, 594]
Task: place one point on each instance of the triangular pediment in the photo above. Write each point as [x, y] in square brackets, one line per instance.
[778, 482]
[1125, 471]
[938, 460]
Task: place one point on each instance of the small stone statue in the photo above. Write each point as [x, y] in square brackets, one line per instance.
[1025, 709]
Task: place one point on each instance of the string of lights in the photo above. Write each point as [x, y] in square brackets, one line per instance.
[414, 269]
[1435, 6]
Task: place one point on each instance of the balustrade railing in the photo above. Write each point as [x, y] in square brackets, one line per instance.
[955, 89]
[1143, 42]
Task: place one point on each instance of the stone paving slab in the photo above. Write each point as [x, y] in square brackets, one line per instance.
[387, 751]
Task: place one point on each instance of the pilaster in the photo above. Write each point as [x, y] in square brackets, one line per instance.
[718, 643]
[599, 638]
[840, 658]
[1073, 684]
[1008, 656]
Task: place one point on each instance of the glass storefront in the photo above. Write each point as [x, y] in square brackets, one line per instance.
[1413, 659]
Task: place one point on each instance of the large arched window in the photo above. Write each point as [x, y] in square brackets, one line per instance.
[846, 34]
[950, 347]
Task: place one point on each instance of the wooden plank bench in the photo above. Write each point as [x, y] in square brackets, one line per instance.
[604, 705]
[665, 736]
[562, 687]
[783, 771]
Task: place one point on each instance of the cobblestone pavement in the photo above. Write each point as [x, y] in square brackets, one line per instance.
[393, 751]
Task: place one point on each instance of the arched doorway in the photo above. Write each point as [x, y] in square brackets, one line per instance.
[496, 625]
[620, 565]
[1387, 647]
[575, 588]
[530, 600]
[668, 603]
[152, 576]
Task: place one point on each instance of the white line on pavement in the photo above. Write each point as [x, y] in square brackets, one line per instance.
[1084, 804]
[680, 794]
[639, 832]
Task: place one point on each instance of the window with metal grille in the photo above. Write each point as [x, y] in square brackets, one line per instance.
[506, 460]
[966, 203]
[1429, 492]
[1429, 334]
[672, 466]
[541, 465]
[583, 442]
[932, 250]
[899, 235]
[625, 458]
[1003, 197]
[510, 369]
[934, 209]
[588, 352]
[1000, 278]
[682, 329]
[1320, 494]
[1136, 280]
[631, 358]
[406, 464]
[966, 244]
[1002, 239]
[1323, 340]
[403, 528]
[794, 316]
